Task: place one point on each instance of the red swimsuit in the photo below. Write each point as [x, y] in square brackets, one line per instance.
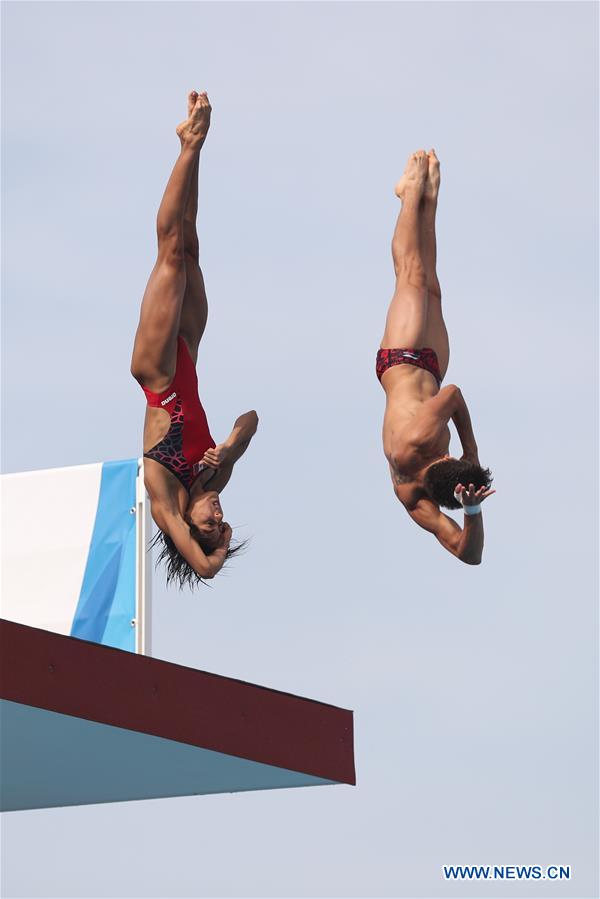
[424, 358]
[188, 438]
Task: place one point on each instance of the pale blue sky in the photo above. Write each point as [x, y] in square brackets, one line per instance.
[474, 689]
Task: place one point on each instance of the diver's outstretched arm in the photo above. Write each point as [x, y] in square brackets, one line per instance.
[224, 456]
[465, 543]
[244, 429]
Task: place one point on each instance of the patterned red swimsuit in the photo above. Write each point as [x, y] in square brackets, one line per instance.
[424, 358]
[188, 438]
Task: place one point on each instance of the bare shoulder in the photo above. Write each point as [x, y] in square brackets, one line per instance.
[417, 503]
[430, 517]
[406, 487]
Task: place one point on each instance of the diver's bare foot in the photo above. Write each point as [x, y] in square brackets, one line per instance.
[414, 177]
[193, 131]
[432, 183]
[191, 102]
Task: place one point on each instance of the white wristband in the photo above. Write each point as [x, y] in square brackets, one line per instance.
[468, 510]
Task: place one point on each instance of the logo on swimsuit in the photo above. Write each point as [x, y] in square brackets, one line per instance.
[168, 399]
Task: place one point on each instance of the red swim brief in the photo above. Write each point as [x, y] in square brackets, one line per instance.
[424, 358]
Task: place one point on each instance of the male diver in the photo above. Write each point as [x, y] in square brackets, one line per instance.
[411, 365]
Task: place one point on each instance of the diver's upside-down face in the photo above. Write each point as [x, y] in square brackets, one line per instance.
[206, 514]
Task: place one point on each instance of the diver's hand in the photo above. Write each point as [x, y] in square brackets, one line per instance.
[471, 497]
[225, 538]
[470, 456]
[216, 456]
[217, 557]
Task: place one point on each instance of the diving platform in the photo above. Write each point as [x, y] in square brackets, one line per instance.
[85, 723]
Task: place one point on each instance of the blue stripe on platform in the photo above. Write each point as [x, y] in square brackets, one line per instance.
[107, 598]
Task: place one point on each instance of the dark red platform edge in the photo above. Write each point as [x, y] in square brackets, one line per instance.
[111, 686]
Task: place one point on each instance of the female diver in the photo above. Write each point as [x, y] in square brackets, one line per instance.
[184, 471]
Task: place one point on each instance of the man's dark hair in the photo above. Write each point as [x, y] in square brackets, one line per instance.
[179, 571]
[442, 478]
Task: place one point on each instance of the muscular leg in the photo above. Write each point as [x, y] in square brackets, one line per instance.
[194, 310]
[407, 315]
[436, 335]
[155, 347]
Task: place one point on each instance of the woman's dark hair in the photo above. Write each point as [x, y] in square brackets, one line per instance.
[179, 571]
[442, 477]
